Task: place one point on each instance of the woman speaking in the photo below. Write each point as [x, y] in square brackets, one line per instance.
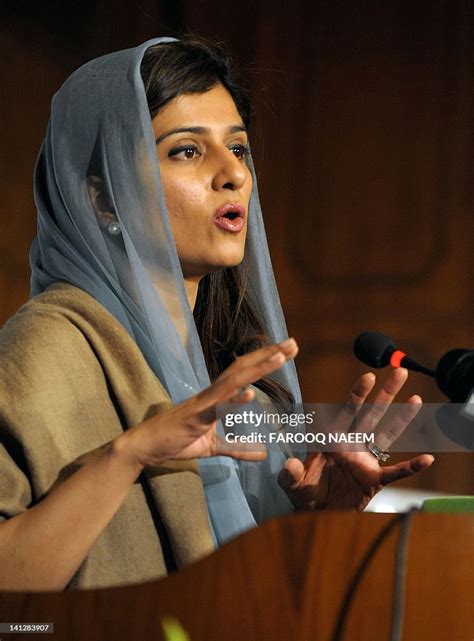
[152, 302]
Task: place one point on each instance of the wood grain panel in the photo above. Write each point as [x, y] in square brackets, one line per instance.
[373, 126]
[284, 580]
[31, 79]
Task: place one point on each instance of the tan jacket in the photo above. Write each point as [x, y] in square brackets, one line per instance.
[72, 379]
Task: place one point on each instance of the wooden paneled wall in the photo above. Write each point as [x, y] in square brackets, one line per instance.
[363, 139]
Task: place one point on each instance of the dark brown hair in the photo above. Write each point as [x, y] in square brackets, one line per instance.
[227, 324]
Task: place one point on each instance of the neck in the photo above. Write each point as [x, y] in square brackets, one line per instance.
[191, 285]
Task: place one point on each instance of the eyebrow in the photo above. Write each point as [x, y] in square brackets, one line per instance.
[198, 130]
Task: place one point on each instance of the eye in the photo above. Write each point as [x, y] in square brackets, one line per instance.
[188, 152]
[240, 151]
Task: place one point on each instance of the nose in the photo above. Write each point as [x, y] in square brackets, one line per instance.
[229, 172]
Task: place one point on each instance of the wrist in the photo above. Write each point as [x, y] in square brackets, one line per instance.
[123, 450]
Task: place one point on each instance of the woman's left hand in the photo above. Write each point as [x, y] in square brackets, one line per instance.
[349, 480]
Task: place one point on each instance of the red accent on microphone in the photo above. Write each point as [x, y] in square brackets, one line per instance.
[396, 358]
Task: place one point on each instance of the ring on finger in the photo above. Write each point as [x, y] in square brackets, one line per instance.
[378, 452]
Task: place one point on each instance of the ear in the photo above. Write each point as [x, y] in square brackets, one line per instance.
[101, 204]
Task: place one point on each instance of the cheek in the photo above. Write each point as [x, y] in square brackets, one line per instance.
[182, 196]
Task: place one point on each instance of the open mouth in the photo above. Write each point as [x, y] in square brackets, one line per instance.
[230, 217]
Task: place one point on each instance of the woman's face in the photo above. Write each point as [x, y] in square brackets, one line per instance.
[202, 147]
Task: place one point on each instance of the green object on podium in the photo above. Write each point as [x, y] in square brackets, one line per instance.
[449, 504]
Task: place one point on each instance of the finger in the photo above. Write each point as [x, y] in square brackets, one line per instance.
[205, 416]
[288, 348]
[201, 408]
[392, 386]
[245, 371]
[387, 434]
[241, 451]
[393, 473]
[291, 475]
[382, 401]
[232, 406]
[244, 395]
[361, 389]
[269, 353]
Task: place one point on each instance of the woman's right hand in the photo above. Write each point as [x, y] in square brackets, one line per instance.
[188, 430]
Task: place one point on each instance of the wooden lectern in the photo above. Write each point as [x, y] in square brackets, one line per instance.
[283, 581]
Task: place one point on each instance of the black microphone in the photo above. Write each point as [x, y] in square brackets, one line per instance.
[454, 373]
[377, 350]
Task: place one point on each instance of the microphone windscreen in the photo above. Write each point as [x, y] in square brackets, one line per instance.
[374, 349]
[455, 374]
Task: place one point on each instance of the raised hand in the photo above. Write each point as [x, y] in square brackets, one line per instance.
[188, 430]
[349, 480]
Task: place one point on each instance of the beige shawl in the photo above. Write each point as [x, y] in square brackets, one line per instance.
[72, 379]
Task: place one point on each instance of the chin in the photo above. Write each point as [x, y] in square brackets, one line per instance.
[230, 258]
[213, 261]
[225, 265]
[203, 270]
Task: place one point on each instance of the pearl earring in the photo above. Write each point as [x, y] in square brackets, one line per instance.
[114, 228]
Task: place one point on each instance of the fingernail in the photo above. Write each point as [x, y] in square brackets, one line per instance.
[290, 342]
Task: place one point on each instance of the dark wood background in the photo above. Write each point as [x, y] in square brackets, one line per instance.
[363, 138]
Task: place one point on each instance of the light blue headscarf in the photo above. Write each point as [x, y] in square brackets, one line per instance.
[101, 113]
